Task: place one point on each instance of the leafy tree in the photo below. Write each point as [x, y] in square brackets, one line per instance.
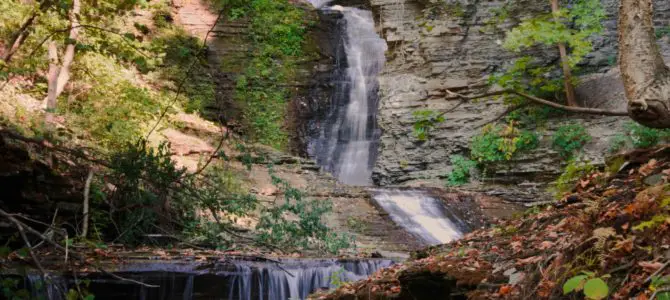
[552, 29]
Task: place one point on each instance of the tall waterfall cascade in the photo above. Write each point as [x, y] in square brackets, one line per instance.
[347, 139]
[348, 136]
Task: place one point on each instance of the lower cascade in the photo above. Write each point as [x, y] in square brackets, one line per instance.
[235, 280]
[421, 214]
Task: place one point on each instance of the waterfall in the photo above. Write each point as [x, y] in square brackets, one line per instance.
[420, 214]
[347, 139]
[232, 280]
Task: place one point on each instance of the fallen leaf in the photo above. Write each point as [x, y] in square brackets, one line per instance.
[530, 260]
[650, 266]
[648, 168]
[505, 289]
[545, 245]
[517, 246]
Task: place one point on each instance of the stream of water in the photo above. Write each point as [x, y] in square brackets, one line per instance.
[231, 280]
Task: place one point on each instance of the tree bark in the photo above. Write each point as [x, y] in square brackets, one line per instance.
[52, 77]
[645, 76]
[567, 73]
[62, 73]
[68, 56]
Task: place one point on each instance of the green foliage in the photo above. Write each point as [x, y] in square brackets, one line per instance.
[660, 283]
[277, 36]
[144, 178]
[574, 28]
[638, 136]
[500, 143]
[114, 124]
[11, 289]
[460, 173]
[574, 171]
[424, 122]
[661, 32]
[570, 139]
[335, 279]
[645, 137]
[593, 287]
[308, 232]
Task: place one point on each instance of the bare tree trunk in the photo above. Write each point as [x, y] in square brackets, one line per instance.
[567, 73]
[62, 73]
[87, 192]
[18, 38]
[645, 76]
[68, 56]
[54, 70]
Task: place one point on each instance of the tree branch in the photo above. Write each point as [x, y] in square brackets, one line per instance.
[21, 226]
[583, 110]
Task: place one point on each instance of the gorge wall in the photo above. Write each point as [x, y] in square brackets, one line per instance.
[436, 45]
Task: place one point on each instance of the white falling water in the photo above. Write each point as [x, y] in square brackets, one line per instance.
[418, 213]
[319, 3]
[295, 279]
[347, 143]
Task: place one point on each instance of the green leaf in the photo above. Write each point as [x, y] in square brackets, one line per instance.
[663, 296]
[574, 284]
[23, 252]
[596, 289]
[5, 251]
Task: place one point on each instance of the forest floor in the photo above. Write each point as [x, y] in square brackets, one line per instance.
[609, 238]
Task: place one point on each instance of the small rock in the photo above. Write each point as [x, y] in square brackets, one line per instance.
[654, 179]
[516, 278]
[510, 272]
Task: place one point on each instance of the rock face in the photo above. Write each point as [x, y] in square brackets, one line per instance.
[228, 54]
[455, 48]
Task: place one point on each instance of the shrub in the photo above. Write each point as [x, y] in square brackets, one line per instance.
[460, 173]
[501, 143]
[424, 121]
[570, 139]
[645, 137]
[574, 171]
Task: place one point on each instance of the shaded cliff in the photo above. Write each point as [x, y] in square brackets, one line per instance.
[436, 45]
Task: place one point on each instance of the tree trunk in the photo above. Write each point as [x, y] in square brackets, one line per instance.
[62, 72]
[645, 76]
[567, 73]
[68, 56]
[52, 77]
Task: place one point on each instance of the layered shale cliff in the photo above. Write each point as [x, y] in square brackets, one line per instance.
[437, 45]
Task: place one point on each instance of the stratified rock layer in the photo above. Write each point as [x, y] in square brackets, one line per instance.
[456, 48]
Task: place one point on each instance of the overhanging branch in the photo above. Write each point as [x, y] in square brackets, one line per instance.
[582, 110]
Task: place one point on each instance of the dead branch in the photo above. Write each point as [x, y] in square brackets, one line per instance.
[21, 226]
[87, 189]
[583, 110]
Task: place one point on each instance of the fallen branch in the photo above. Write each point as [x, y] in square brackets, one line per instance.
[584, 110]
[87, 190]
[21, 226]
